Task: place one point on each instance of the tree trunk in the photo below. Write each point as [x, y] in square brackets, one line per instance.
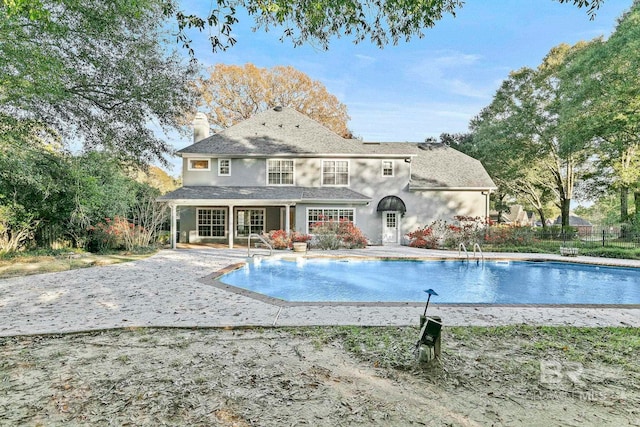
[566, 208]
[543, 220]
[624, 204]
[636, 202]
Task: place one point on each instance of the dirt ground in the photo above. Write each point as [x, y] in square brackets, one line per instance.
[311, 376]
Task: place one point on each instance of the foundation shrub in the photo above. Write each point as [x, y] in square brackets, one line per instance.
[442, 234]
[342, 234]
[278, 239]
[423, 238]
[466, 229]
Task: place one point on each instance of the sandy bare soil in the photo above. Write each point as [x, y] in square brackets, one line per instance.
[277, 377]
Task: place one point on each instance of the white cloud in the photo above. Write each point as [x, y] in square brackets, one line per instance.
[455, 59]
[449, 71]
[365, 59]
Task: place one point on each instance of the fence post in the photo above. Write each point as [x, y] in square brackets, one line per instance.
[603, 237]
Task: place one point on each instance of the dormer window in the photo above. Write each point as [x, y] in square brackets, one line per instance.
[198, 165]
[387, 168]
[224, 167]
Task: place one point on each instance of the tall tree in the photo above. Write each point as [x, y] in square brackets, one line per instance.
[92, 71]
[233, 93]
[601, 88]
[521, 130]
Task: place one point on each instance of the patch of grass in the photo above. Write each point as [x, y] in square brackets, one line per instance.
[391, 347]
[51, 261]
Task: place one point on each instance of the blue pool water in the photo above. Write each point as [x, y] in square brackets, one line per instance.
[455, 281]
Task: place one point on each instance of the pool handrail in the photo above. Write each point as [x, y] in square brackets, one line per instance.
[262, 239]
[477, 245]
[462, 247]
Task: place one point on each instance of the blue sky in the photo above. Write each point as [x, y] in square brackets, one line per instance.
[426, 86]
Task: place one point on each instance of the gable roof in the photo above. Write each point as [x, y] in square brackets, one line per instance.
[286, 132]
[574, 221]
[438, 166]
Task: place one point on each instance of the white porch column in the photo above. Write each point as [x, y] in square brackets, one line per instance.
[287, 218]
[231, 227]
[173, 227]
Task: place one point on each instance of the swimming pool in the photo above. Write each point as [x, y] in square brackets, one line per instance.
[490, 282]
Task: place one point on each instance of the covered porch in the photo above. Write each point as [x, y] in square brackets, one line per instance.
[230, 214]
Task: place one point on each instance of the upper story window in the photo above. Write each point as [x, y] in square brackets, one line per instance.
[335, 172]
[387, 168]
[279, 172]
[224, 167]
[198, 164]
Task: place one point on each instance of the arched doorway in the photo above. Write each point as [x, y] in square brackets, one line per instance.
[392, 209]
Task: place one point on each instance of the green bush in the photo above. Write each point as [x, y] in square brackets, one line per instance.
[17, 227]
[609, 252]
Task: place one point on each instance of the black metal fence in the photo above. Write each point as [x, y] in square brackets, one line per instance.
[553, 237]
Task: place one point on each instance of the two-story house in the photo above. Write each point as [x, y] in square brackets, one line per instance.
[282, 170]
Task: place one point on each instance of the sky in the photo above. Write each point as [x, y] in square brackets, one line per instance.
[426, 86]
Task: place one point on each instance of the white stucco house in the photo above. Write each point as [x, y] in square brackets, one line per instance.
[282, 170]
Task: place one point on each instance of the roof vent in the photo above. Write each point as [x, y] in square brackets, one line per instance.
[278, 108]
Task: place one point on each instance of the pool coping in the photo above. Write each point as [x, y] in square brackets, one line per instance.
[213, 280]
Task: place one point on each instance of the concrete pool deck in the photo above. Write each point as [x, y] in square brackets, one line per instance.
[173, 289]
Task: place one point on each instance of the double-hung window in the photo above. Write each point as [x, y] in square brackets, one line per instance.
[279, 172]
[335, 172]
[224, 167]
[387, 168]
[211, 222]
[320, 216]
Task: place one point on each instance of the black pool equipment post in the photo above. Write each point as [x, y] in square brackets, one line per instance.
[428, 345]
